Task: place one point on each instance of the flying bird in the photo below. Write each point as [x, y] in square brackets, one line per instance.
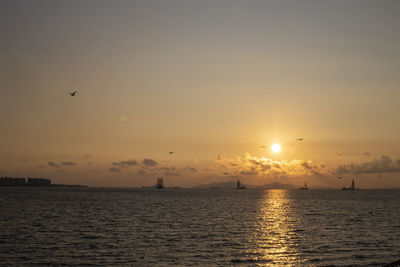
[263, 146]
[171, 153]
[339, 177]
[73, 93]
[300, 139]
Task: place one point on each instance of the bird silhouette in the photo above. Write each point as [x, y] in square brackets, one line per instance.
[171, 153]
[73, 93]
[299, 139]
[339, 177]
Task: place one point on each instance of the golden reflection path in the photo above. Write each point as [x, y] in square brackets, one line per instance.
[275, 236]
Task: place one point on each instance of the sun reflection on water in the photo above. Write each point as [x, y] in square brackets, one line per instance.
[275, 238]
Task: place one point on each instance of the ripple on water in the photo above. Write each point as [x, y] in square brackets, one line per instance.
[143, 227]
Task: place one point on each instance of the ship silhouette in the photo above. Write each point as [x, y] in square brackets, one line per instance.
[305, 187]
[239, 185]
[352, 187]
[160, 183]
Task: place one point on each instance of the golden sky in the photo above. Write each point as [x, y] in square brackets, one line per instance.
[213, 81]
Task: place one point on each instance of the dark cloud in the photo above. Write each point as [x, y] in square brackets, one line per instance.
[382, 165]
[248, 173]
[171, 173]
[265, 167]
[167, 169]
[312, 168]
[254, 162]
[276, 165]
[68, 163]
[125, 163]
[53, 164]
[149, 162]
[142, 172]
[306, 165]
[190, 169]
[64, 163]
[114, 169]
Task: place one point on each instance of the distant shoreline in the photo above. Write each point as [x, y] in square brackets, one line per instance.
[32, 182]
[51, 185]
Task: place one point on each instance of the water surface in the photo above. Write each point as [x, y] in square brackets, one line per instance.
[207, 227]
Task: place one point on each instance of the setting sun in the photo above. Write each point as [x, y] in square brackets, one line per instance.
[275, 148]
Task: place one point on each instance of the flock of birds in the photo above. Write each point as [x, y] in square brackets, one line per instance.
[73, 93]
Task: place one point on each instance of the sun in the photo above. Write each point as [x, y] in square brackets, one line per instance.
[276, 148]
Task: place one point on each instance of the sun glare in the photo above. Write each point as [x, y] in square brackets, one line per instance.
[276, 148]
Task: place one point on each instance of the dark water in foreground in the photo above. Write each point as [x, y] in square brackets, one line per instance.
[146, 227]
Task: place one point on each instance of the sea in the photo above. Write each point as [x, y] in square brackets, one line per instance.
[198, 227]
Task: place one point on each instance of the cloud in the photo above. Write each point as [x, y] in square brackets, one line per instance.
[190, 169]
[264, 167]
[53, 164]
[114, 169]
[125, 163]
[68, 163]
[64, 163]
[248, 172]
[171, 173]
[167, 169]
[142, 172]
[149, 162]
[382, 165]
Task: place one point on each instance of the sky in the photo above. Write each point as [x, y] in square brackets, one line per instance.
[216, 82]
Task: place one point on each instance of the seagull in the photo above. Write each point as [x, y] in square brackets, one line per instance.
[73, 93]
[300, 139]
[171, 153]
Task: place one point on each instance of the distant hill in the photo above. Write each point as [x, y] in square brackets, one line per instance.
[217, 185]
[232, 184]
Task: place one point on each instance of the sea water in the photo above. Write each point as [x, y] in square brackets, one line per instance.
[205, 227]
